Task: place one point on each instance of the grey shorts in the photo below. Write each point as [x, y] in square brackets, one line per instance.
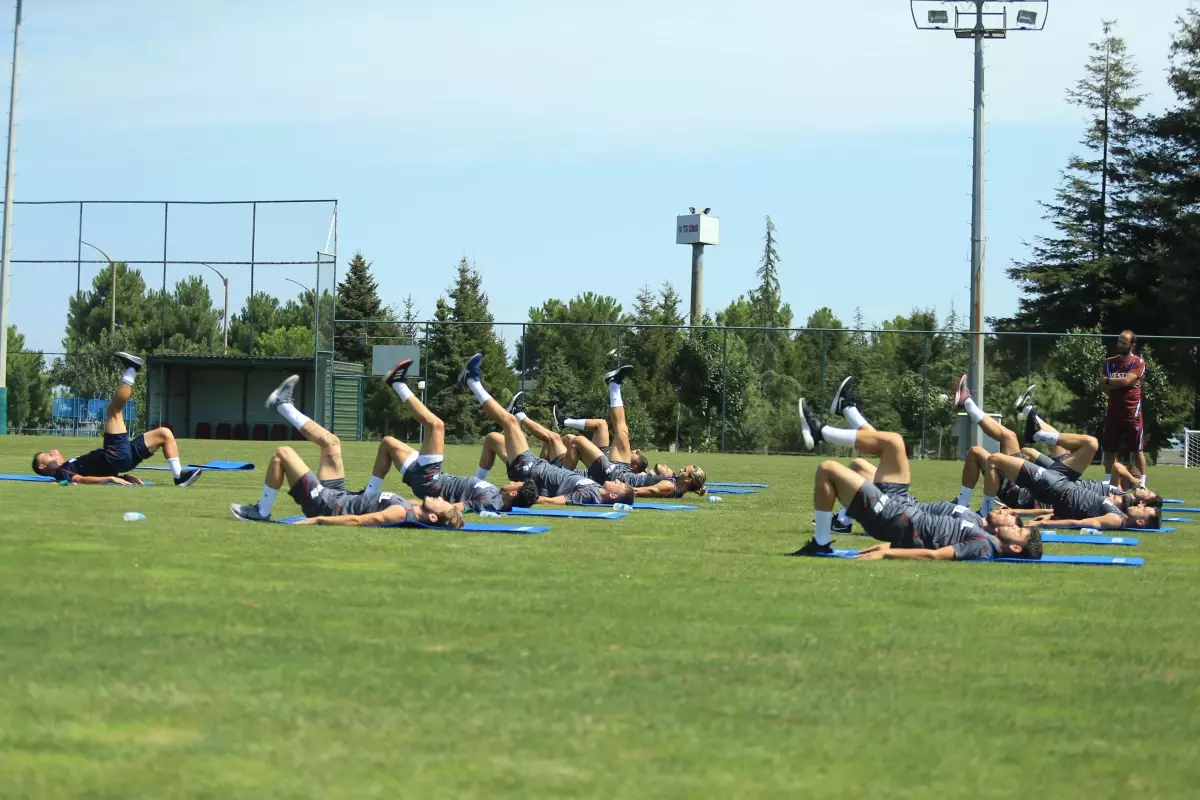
[887, 516]
[524, 466]
[319, 498]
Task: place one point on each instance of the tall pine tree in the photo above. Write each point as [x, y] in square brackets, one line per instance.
[1074, 276]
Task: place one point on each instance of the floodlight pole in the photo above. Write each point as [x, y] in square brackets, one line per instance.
[112, 266]
[975, 362]
[226, 316]
[6, 236]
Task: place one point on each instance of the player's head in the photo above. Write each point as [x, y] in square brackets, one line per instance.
[47, 463]
[691, 479]
[439, 512]
[1140, 516]
[637, 462]
[1019, 542]
[1141, 494]
[519, 495]
[1003, 518]
[1126, 342]
[616, 492]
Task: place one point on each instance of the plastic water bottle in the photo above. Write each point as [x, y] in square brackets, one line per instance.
[712, 498]
[622, 507]
[485, 513]
[134, 516]
[1090, 531]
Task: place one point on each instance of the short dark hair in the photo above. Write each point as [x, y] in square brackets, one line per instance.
[1021, 523]
[638, 462]
[1033, 545]
[1155, 519]
[1155, 500]
[628, 495]
[36, 469]
[1132, 335]
[527, 495]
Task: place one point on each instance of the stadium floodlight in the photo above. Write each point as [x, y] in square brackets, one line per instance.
[979, 20]
[112, 266]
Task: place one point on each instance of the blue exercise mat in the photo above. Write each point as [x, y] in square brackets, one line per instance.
[1176, 519]
[1099, 561]
[213, 466]
[1110, 530]
[577, 513]
[728, 485]
[1064, 538]
[46, 479]
[470, 526]
[1182, 510]
[640, 506]
[722, 490]
[1174, 501]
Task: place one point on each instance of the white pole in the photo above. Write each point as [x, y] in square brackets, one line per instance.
[6, 236]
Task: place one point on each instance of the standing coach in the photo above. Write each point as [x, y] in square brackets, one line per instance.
[1124, 429]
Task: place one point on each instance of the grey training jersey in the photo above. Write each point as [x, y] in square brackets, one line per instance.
[970, 542]
[555, 481]
[1085, 502]
[475, 494]
[357, 504]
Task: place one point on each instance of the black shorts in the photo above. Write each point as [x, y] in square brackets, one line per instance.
[423, 478]
[884, 511]
[1048, 485]
[319, 498]
[1014, 496]
[557, 461]
[599, 470]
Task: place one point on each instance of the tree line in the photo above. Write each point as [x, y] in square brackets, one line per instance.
[1125, 238]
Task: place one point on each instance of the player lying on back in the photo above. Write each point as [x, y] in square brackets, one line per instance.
[112, 462]
[556, 485]
[1057, 486]
[887, 511]
[323, 497]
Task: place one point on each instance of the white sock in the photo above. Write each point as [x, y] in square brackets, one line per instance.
[292, 415]
[973, 411]
[1142, 483]
[824, 532]
[854, 417]
[267, 500]
[129, 376]
[1046, 437]
[842, 436]
[520, 415]
[577, 424]
[964, 496]
[374, 486]
[614, 395]
[481, 394]
[176, 469]
[482, 473]
[988, 503]
[843, 518]
[1025, 412]
[403, 390]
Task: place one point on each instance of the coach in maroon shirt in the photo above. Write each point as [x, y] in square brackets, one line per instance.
[1124, 429]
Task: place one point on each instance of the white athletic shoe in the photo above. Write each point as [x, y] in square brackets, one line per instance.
[283, 394]
[961, 392]
[810, 426]
[1025, 398]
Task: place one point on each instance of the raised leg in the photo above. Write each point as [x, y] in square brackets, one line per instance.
[620, 449]
[434, 443]
[114, 415]
[835, 483]
[493, 446]
[162, 438]
[889, 448]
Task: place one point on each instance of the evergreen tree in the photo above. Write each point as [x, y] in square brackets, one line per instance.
[358, 299]
[28, 389]
[1075, 275]
[451, 343]
[651, 350]
[257, 315]
[90, 312]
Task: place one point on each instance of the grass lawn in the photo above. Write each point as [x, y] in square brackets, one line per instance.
[662, 655]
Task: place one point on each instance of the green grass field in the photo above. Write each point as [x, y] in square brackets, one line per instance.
[662, 655]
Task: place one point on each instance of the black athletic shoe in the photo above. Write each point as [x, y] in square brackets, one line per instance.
[130, 360]
[247, 513]
[845, 396]
[472, 369]
[1025, 398]
[517, 404]
[283, 394]
[813, 549]
[810, 426]
[840, 528]
[619, 374]
[399, 373]
[188, 476]
[1032, 426]
[560, 418]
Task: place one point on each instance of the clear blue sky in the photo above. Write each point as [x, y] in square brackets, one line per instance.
[554, 143]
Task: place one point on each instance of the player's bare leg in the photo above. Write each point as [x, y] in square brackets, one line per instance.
[331, 466]
[1082, 448]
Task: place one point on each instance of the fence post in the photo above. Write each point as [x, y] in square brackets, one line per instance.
[524, 363]
[924, 388]
[724, 387]
[250, 301]
[162, 341]
[1028, 357]
[79, 254]
[821, 379]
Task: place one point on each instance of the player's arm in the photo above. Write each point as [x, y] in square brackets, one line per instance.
[93, 480]
[1105, 381]
[553, 501]
[660, 489]
[1048, 521]
[374, 519]
[1026, 512]
[1131, 378]
[941, 554]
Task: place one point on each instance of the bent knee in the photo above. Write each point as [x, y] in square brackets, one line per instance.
[1030, 453]
[827, 466]
[284, 452]
[494, 438]
[862, 466]
[979, 453]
